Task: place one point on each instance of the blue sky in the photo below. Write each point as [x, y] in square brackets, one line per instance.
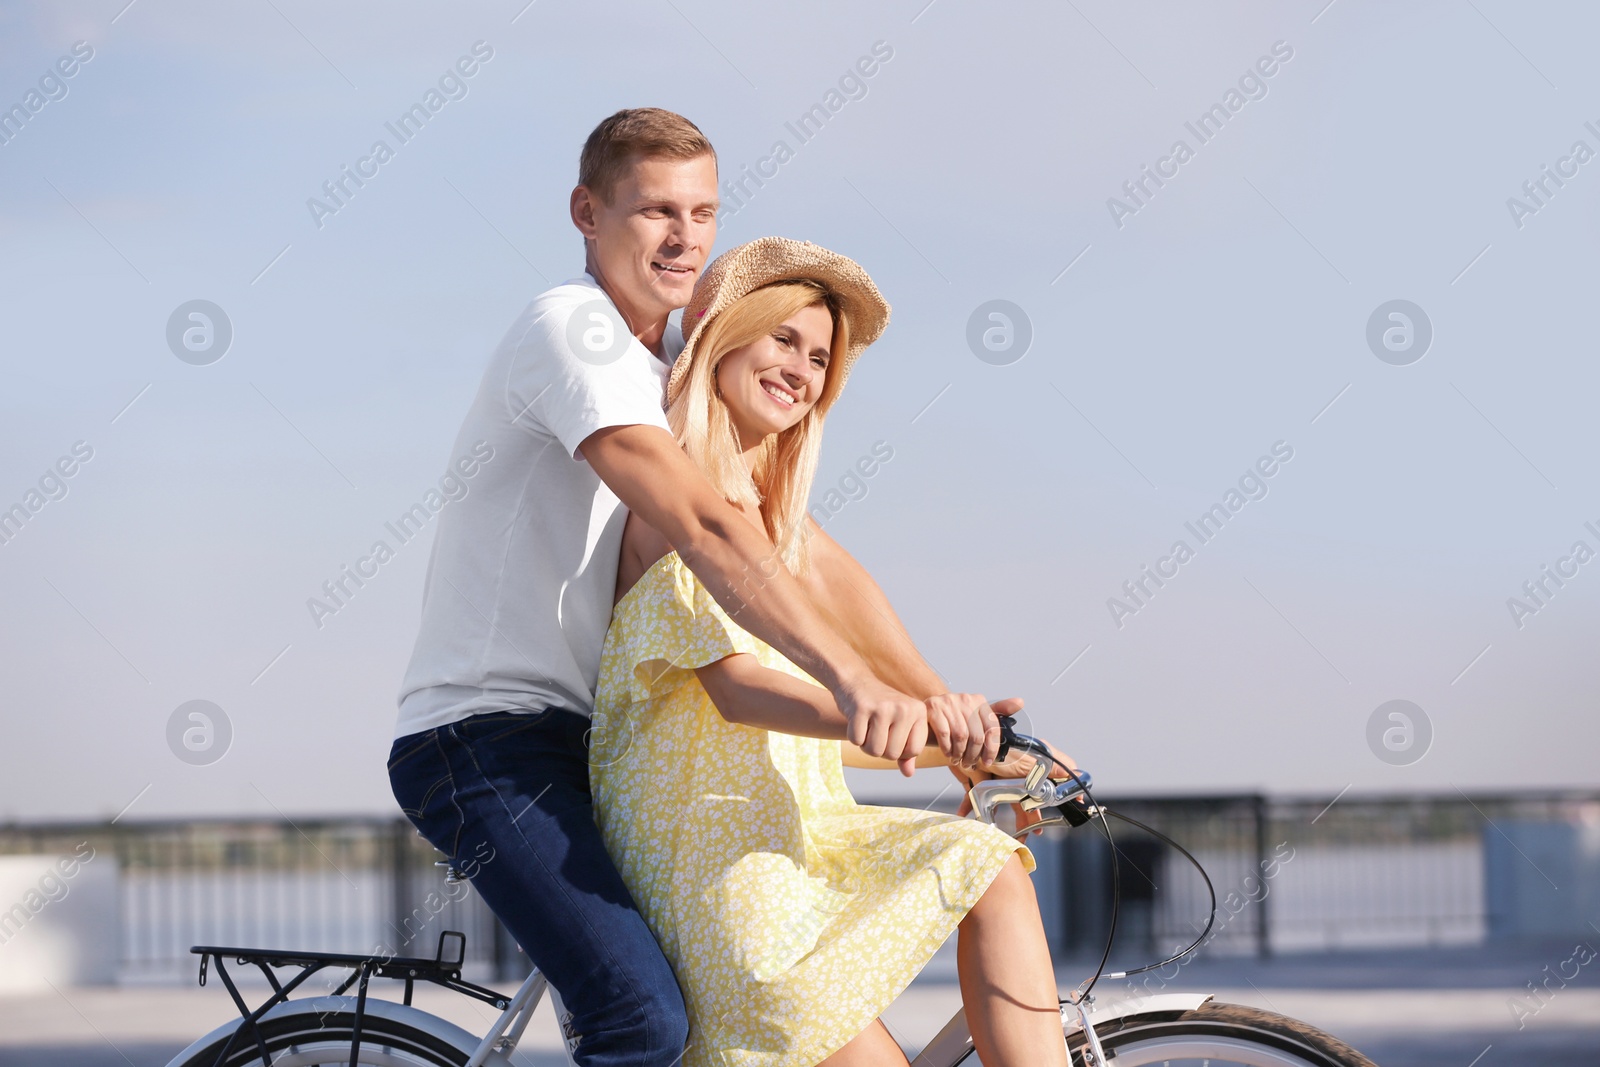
[1172, 348]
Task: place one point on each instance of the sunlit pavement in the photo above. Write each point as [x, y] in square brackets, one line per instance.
[1446, 1007]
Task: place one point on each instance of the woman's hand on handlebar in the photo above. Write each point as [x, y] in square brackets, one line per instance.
[1018, 764]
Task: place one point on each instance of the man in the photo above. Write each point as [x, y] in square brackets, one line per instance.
[567, 428]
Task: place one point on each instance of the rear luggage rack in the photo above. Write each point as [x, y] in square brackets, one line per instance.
[441, 970]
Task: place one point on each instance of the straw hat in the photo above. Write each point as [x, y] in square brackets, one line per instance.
[742, 270]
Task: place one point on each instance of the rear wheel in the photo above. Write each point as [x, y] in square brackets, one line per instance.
[312, 1039]
[1216, 1034]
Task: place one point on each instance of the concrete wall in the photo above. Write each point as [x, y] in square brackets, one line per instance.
[59, 920]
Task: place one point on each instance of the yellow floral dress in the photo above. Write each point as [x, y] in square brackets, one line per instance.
[791, 915]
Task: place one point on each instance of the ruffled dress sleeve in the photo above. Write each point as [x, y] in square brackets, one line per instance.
[665, 627]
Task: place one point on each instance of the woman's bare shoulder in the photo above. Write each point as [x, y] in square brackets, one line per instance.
[642, 547]
[648, 543]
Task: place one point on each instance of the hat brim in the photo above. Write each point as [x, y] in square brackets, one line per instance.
[768, 260]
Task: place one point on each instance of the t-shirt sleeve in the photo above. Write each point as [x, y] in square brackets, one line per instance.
[681, 627]
[575, 370]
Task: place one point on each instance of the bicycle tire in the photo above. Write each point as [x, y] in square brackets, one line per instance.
[313, 1039]
[1220, 1034]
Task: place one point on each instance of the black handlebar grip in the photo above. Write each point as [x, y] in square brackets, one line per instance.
[1008, 736]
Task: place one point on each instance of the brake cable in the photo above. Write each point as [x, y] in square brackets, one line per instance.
[1009, 739]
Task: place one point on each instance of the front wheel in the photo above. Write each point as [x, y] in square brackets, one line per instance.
[1217, 1034]
[301, 1038]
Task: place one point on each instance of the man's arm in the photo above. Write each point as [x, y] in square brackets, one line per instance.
[860, 613]
[651, 475]
[849, 599]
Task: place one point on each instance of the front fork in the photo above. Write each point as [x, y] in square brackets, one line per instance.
[1080, 1004]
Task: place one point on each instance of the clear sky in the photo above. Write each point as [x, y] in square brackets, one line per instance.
[1335, 159]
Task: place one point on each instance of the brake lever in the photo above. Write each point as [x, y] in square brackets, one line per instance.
[1076, 811]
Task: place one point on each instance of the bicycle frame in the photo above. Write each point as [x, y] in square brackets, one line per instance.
[1054, 802]
[949, 1046]
[953, 1043]
[507, 1029]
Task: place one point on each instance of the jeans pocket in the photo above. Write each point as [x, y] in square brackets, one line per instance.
[405, 748]
[425, 801]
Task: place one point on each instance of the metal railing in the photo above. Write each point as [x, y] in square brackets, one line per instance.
[1312, 874]
[336, 885]
[1290, 874]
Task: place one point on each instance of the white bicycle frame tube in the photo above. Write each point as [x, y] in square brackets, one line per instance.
[514, 1020]
[508, 1028]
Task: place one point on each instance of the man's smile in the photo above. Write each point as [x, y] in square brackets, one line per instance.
[673, 270]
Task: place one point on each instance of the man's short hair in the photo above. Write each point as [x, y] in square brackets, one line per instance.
[636, 133]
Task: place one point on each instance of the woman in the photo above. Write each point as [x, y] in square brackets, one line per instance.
[792, 917]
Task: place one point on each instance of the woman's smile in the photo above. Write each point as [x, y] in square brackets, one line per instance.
[785, 396]
[770, 384]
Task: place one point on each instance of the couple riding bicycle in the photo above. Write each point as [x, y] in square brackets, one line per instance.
[640, 670]
[640, 551]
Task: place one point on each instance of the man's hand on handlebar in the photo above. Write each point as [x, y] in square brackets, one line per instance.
[965, 727]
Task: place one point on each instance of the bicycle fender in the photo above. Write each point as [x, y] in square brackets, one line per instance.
[387, 1009]
[953, 1042]
[1132, 1007]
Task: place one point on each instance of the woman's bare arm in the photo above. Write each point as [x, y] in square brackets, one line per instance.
[854, 757]
[747, 693]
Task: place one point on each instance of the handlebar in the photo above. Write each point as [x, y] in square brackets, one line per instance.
[1071, 802]
[1064, 801]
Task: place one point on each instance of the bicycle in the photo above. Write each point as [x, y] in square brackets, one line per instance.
[1163, 1028]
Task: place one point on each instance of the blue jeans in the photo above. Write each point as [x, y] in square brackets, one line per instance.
[506, 796]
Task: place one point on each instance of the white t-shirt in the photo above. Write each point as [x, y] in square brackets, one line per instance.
[524, 567]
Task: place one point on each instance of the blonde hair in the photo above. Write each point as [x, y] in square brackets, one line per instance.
[787, 462]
